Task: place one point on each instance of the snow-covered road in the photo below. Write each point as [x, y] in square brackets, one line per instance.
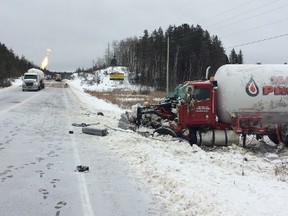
[38, 159]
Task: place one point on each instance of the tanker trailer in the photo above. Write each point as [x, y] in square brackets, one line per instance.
[253, 99]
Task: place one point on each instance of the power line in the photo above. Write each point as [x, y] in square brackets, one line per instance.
[258, 41]
[227, 11]
[258, 27]
[259, 14]
[239, 15]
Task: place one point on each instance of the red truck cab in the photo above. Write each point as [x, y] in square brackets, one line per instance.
[198, 110]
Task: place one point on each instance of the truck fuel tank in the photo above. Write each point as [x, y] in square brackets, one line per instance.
[218, 138]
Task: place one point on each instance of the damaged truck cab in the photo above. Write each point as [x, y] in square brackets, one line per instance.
[197, 119]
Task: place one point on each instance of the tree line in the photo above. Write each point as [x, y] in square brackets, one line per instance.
[11, 65]
[191, 51]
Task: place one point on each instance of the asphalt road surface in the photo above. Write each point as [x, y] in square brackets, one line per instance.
[39, 159]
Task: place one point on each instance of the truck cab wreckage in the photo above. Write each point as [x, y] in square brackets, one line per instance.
[239, 100]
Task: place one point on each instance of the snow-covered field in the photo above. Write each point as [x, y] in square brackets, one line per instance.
[189, 180]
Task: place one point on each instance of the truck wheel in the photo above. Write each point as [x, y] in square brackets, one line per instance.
[165, 131]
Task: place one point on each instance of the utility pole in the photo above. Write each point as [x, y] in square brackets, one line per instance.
[167, 67]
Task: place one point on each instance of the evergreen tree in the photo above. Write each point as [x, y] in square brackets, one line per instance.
[233, 57]
[240, 57]
[11, 66]
[114, 61]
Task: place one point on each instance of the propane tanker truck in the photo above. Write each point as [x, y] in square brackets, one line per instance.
[239, 100]
[33, 79]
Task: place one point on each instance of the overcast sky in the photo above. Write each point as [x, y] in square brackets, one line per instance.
[78, 32]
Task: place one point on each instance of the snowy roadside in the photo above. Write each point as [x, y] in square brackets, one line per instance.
[193, 181]
[15, 84]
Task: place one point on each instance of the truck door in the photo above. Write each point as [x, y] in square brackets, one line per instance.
[198, 108]
[202, 105]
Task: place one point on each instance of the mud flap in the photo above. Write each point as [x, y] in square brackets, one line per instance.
[192, 136]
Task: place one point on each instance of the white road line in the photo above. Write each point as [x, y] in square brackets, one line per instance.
[85, 198]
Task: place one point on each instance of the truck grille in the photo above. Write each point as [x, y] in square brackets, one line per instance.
[29, 84]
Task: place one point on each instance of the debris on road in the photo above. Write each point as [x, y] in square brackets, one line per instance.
[125, 123]
[95, 131]
[81, 168]
[84, 124]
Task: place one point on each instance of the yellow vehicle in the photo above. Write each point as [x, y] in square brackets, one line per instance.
[117, 76]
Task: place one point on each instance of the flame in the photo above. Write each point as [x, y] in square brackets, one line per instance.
[45, 60]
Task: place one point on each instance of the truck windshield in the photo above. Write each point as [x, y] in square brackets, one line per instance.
[178, 93]
[201, 93]
[30, 76]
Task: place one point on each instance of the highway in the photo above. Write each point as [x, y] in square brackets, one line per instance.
[39, 154]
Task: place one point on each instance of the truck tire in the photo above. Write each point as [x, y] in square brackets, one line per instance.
[165, 131]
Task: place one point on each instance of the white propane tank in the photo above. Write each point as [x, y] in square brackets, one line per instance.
[253, 90]
[39, 72]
